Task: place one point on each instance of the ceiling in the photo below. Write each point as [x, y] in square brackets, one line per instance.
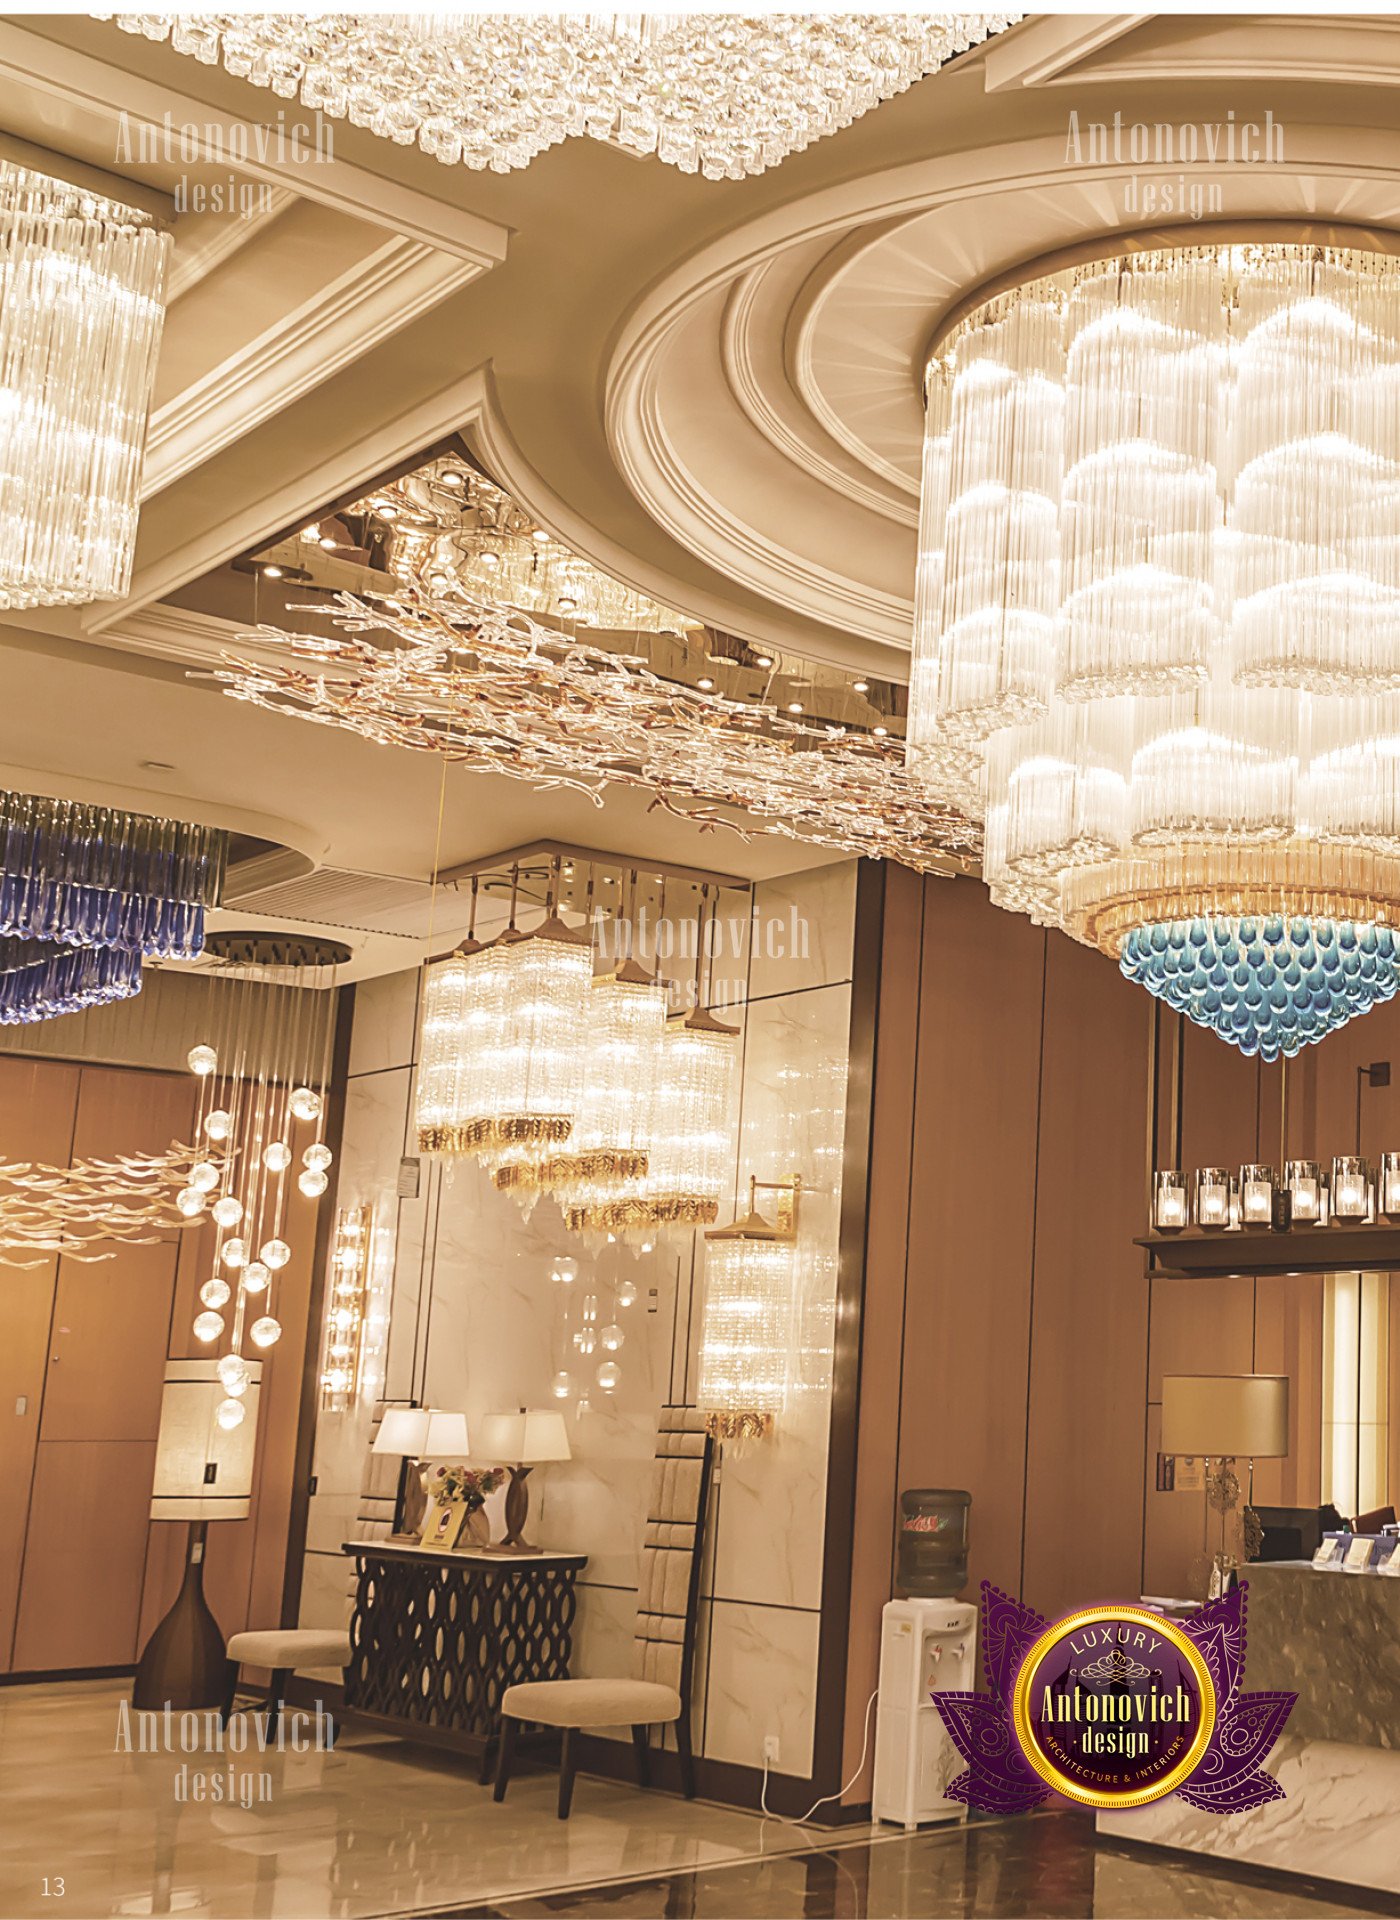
[710, 389]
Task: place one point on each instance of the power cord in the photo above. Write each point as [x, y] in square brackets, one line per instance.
[786, 1819]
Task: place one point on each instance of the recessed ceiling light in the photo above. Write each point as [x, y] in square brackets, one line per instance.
[764, 659]
[452, 479]
[272, 573]
[706, 684]
[862, 686]
[327, 541]
[880, 732]
[540, 535]
[794, 706]
[313, 532]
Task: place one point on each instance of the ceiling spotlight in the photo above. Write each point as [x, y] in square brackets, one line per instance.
[541, 536]
[706, 684]
[794, 706]
[763, 659]
[880, 732]
[862, 686]
[452, 480]
[313, 532]
[272, 573]
[328, 541]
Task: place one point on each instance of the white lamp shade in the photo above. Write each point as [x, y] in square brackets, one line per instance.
[1225, 1416]
[525, 1438]
[204, 1471]
[422, 1433]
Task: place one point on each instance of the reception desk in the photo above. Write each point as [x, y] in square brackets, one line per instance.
[1334, 1640]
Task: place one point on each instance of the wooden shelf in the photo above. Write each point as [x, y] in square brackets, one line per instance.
[1249, 1251]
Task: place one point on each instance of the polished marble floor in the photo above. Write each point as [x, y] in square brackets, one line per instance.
[378, 1828]
[1049, 1867]
[375, 1827]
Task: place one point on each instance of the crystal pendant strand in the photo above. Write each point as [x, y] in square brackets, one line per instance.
[82, 285]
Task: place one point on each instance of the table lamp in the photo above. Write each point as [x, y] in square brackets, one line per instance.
[417, 1434]
[204, 1472]
[520, 1441]
[1224, 1417]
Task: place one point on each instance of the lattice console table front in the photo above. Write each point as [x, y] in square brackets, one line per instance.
[436, 1638]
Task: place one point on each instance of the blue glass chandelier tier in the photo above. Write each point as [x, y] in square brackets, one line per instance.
[1269, 986]
[40, 979]
[90, 891]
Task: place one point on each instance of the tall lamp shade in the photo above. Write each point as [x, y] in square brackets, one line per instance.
[1225, 1416]
[523, 1440]
[204, 1472]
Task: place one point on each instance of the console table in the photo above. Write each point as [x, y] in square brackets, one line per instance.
[436, 1638]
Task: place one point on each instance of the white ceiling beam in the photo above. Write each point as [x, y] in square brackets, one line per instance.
[1044, 50]
[366, 305]
[108, 92]
[365, 452]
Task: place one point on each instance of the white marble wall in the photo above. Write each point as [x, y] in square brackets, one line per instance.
[469, 1318]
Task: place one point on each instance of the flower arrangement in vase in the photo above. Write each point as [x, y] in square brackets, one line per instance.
[456, 1496]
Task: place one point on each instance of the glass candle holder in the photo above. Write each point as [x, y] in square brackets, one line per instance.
[1170, 1207]
[1256, 1195]
[1389, 1184]
[1212, 1193]
[1303, 1178]
[1351, 1177]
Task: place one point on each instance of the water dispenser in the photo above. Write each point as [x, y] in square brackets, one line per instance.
[927, 1645]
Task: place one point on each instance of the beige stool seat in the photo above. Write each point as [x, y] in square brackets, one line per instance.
[592, 1703]
[287, 1649]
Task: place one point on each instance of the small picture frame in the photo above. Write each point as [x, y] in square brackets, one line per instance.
[1328, 1555]
[442, 1524]
[1358, 1553]
[1390, 1565]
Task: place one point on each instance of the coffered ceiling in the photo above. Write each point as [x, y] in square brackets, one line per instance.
[710, 389]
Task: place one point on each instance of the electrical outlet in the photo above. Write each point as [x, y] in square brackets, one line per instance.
[770, 1749]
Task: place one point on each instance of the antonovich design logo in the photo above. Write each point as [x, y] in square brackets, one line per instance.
[1113, 1706]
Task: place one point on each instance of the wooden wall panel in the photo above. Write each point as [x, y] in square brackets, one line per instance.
[1089, 1301]
[966, 1346]
[38, 1102]
[81, 1599]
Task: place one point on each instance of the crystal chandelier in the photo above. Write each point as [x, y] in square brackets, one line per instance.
[264, 1073]
[82, 285]
[86, 892]
[747, 1331]
[719, 94]
[1157, 640]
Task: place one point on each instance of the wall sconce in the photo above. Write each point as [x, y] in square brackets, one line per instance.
[1212, 1186]
[747, 1328]
[344, 1349]
[1169, 1201]
[1351, 1182]
[1256, 1195]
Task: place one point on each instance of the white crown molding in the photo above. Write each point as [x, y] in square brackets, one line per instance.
[106, 91]
[1045, 50]
[205, 243]
[345, 320]
[365, 452]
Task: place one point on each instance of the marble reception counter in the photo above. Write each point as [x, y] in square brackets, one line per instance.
[1334, 1639]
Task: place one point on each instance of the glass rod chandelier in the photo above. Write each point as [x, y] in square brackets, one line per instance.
[1157, 631]
[82, 305]
[723, 95]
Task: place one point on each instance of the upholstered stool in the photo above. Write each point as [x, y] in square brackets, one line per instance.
[664, 1649]
[286, 1650]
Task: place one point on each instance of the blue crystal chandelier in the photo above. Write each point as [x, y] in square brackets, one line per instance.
[86, 892]
[1268, 986]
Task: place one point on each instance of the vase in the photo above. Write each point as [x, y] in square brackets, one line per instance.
[476, 1530]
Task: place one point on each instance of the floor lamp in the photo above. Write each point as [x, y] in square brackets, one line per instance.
[204, 1472]
[1222, 1418]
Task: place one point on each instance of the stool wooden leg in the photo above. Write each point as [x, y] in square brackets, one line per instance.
[230, 1694]
[566, 1773]
[504, 1755]
[276, 1693]
[643, 1753]
[687, 1758]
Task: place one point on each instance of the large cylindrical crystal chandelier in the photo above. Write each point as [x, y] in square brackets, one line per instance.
[264, 1072]
[1157, 636]
[82, 285]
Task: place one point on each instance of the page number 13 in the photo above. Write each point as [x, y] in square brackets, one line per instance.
[54, 1889]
